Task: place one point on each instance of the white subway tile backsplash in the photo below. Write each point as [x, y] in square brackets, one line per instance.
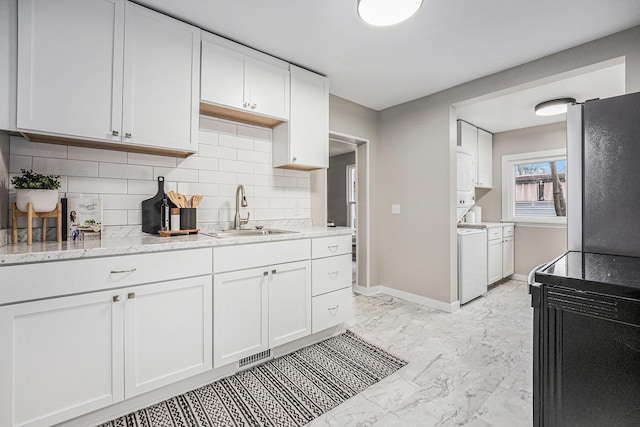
[236, 142]
[19, 145]
[254, 132]
[229, 154]
[254, 156]
[121, 201]
[65, 167]
[142, 187]
[151, 160]
[215, 125]
[218, 177]
[178, 175]
[115, 170]
[17, 162]
[235, 166]
[83, 153]
[96, 185]
[191, 188]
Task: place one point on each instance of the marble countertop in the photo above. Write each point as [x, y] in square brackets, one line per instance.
[485, 224]
[142, 243]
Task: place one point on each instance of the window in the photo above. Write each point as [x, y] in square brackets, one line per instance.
[351, 196]
[534, 187]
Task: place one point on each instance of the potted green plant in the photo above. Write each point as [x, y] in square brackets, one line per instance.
[41, 190]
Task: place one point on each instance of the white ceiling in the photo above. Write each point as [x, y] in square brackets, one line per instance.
[515, 110]
[446, 43]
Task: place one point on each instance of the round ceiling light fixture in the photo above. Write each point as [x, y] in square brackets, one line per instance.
[382, 13]
[554, 106]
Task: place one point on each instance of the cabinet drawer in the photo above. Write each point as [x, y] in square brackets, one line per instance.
[331, 309]
[330, 246]
[494, 233]
[51, 279]
[330, 274]
[239, 257]
[507, 231]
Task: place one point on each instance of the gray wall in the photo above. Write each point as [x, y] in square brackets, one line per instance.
[337, 188]
[414, 165]
[533, 245]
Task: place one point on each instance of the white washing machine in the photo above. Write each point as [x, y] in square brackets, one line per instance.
[472, 263]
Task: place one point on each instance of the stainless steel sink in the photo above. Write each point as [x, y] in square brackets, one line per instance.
[225, 234]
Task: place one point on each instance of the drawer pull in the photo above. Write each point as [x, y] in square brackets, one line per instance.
[131, 295]
[131, 270]
[273, 271]
[265, 274]
[332, 309]
[116, 298]
[333, 274]
[332, 248]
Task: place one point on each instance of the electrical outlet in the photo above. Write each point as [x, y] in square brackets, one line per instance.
[395, 209]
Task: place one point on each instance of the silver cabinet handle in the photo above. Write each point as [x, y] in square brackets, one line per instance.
[131, 295]
[273, 271]
[116, 298]
[245, 105]
[254, 106]
[131, 270]
[127, 135]
[332, 248]
[334, 274]
[294, 159]
[333, 308]
[265, 274]
[115, 133]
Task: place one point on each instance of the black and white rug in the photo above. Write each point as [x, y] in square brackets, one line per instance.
[288, 391]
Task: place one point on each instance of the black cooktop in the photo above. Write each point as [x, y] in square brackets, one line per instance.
[591, 272]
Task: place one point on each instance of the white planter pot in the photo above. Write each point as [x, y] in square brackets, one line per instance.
[41, 200]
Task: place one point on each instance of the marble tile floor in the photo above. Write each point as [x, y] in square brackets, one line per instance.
[470, 368]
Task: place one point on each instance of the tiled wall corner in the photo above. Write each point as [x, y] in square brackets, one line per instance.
[229, 154]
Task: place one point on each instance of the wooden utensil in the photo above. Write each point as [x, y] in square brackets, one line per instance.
[174, 197]
[195, 200]
[183, 200]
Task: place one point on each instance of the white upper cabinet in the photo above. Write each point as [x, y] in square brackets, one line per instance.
[484, 177]
[8, 67]
[107, 71]
[478, 143]
[303, 142]
[70, 67]
[161, 74]
[232, 78]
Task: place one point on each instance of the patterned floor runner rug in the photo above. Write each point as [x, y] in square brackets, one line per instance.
[288, 391]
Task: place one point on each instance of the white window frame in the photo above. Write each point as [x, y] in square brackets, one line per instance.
[509, 161]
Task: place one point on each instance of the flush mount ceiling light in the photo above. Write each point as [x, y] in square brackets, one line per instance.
[554, 106]
[382, 13]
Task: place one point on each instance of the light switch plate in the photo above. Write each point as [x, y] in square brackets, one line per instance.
[395, 209]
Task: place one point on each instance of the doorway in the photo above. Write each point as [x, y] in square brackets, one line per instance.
[340, 197]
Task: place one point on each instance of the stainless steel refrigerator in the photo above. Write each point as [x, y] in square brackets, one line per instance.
[587, 302]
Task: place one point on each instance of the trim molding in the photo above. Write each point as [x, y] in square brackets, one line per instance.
[408, 296]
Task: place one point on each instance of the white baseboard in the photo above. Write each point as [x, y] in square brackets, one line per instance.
[408, 296]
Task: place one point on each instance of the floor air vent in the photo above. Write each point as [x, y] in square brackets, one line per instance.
[254, 359]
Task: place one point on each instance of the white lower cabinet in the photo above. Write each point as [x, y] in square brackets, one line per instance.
[65, 356]
[507, 257]
[260, 308]
[331, 309]
[494, 256]
[61, 357]
[167, 333]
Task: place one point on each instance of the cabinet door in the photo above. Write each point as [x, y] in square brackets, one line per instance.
[289, 302]
[61, 358]
[468, 139]
[240, 315]
[494, 255]
[307, 142]
[484, 162]
[507, 257]
[222, 76]
[161, 81]
[70, 69]
[268, 89]
[168, 333]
